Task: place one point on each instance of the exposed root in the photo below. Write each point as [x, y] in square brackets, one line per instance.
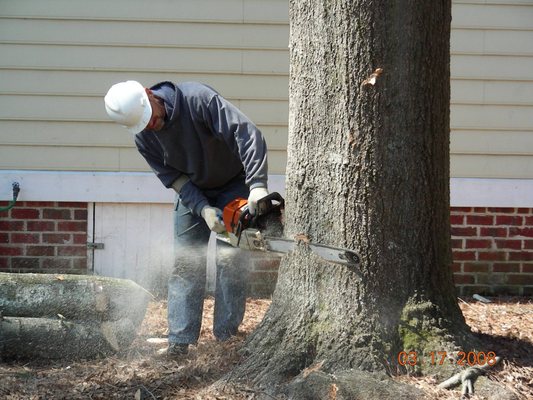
[467, 378]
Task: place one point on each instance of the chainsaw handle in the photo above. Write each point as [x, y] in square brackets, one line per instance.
[265, 204]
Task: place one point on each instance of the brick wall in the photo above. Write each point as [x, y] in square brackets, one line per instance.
[493, 250]
[264, 275]
[492, 247]
[44, 237]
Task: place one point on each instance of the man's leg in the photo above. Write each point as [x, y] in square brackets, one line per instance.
[231, 277]
[230, 292]
[186, 289]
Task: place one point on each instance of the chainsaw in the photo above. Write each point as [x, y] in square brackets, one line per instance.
[263, 231]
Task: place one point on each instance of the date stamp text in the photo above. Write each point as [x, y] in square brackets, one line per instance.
[471, 358]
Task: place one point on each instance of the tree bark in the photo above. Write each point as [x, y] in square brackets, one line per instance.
[46, 338]
[368, 169]
[67, 316]
[82, 297]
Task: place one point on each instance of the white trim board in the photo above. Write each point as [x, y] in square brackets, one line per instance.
[95, 187]
[144, 187]
[485, 192]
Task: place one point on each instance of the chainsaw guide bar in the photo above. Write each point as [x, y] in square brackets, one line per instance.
[252, 239]
[246, 232]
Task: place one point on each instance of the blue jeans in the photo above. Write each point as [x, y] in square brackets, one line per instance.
[186, 288]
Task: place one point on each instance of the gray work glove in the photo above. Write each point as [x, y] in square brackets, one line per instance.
[213, 219]
[255, 195]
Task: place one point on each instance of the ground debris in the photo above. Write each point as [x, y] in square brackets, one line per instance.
[506, 326]
[139, 372]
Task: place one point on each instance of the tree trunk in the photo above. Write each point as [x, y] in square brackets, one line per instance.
[368, 169]
[56, 316]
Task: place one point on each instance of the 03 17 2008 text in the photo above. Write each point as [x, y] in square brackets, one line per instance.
[462, 358]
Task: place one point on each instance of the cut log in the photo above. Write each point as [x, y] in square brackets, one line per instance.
[74, 297]
[22, 338]
[68, 316]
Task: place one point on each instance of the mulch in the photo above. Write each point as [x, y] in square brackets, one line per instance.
[142, 373]
[506, 327]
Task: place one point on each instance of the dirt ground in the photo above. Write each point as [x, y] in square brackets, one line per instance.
[142, 373]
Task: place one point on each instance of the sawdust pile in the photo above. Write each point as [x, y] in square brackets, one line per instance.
[140, 373]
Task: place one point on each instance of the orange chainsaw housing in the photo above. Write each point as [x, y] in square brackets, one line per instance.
[232, 214]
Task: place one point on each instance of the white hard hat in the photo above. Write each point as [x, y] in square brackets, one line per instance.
[127, 104]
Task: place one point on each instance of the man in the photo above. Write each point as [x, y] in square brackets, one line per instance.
[210, 153]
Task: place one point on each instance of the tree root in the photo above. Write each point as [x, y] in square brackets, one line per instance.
[349, 385]
[467, 378]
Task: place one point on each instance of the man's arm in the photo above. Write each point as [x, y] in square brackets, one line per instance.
[191, 196]
[241, 134]
[211, 215]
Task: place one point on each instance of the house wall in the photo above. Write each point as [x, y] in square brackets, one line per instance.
[59, 57]
[492, 89]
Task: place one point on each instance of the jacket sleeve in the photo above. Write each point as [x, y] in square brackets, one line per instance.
[193, 198]
[190, 195]
[241, 135]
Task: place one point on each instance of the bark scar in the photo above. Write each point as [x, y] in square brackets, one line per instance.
[372, 79]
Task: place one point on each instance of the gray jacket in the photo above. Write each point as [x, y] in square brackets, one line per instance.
[206, 138]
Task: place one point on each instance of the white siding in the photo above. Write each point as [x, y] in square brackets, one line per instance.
[492, 89]
[59, 57]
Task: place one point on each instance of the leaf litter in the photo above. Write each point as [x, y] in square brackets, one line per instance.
[142, 373]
